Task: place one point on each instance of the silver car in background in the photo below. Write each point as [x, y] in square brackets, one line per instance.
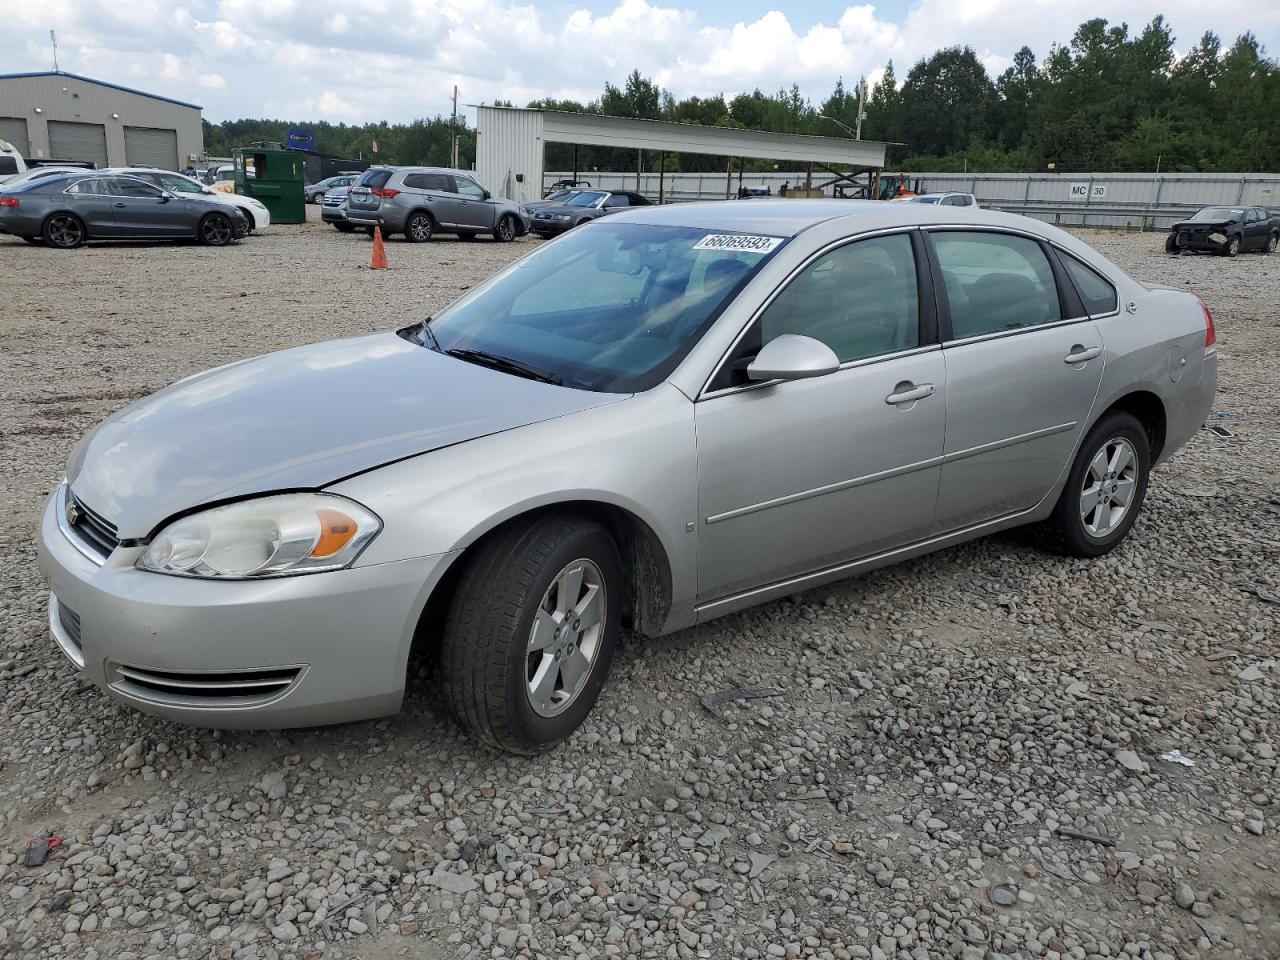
[420, 202]
[666, 416]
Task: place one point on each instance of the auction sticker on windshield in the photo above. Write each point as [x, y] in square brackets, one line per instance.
[737, 241]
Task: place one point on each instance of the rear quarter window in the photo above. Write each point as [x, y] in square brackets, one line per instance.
[1095, 290]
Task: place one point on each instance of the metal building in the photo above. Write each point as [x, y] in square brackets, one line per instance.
[64, 116]
[510, 141]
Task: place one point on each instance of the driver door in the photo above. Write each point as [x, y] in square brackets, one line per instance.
[797, 476]
[476, 207]
[144, 211]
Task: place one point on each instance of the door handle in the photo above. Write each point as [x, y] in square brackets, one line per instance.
[121, 204]
[908, 392]
[1081, 354]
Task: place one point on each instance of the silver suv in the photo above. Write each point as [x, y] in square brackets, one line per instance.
[422, 201]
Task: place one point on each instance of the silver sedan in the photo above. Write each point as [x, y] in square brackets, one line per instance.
[669, 415]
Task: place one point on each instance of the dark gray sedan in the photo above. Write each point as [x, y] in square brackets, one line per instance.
[586, 205]
[70, 210]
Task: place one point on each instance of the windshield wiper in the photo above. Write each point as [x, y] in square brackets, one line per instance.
[427, 337]
[505, 364]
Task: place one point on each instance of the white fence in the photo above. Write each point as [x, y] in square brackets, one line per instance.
[1138, 200]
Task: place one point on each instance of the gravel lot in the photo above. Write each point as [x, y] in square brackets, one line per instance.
[965, 760]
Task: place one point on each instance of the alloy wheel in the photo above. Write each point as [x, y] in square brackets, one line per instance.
[65, 230]
[565, 639]
[215, 230]
[1108, 488]
[506, 230]
[420, 229]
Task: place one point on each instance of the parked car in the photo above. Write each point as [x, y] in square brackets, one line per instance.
[419, 202]
[750, 400]
[333, 209]
[943, 199]
[560, 196]
[315, 192]
[226, 171]
[70, 210]
[566, 184]
[38, 173]
[11, 162]
[254, 211]
[750, 193]
[1225, 230]
[583, 208]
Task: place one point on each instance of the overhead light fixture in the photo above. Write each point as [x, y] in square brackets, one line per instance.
[115, 116]
[38, 110]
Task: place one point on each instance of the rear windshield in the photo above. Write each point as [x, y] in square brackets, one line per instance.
[613, 307]
[375, 179]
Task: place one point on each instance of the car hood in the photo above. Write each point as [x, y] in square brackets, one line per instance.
[564, 208]
[299, 419]
[1203, 224]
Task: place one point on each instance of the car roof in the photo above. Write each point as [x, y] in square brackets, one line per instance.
[449, 170]
[780, 217]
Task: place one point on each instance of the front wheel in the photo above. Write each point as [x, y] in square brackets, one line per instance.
[1171, 244]
[1232, 248]
[215, 230]
[531, 632]
[1104, 490]
[505, 231]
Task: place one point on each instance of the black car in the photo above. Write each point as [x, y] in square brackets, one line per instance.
[566, 184]
[1225, 230]
[587, 205]
[69, 210]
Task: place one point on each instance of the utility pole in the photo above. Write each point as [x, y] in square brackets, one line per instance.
[53, 38]
[862, 91]
[453, 131]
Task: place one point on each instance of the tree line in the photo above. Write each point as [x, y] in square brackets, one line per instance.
[1107, 100]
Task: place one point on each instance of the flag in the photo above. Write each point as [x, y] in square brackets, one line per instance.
[375, 144]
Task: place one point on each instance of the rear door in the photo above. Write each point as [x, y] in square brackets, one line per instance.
[1024, 362]
[92, 203]
[1256, 229]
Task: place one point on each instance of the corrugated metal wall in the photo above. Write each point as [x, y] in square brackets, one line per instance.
[70, 99]
[509, 153]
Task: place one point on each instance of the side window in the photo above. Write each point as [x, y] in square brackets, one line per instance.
[125, 187]
[952, 201]
[995, 282]
[617, 200]
[86, 187]
[469, 188]
[415, 181]
[437, 181]
[860, 300]
[1095, 290]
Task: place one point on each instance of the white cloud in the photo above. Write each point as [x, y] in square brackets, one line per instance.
[398, 59]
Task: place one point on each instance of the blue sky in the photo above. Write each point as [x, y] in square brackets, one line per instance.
[361, 60]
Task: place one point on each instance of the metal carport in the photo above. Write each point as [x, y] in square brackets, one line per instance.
[510, 141]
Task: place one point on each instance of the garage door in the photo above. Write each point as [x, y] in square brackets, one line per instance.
[14, 129]
[151, 147]
[78, 141]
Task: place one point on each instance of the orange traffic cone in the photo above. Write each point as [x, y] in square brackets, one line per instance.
[379, 260]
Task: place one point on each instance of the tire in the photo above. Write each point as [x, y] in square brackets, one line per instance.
[1171, 244]
[64, 230]
[1232, 248]
[582, 221]
[501, 593]
[215, 230]
[506, 229]
[1073, 528]
[419, 227]
[253, 224]
[32, 238]
[343, 227]
[1270, 246]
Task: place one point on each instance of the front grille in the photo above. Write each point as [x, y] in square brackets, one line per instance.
[93, 530]
[202, 689]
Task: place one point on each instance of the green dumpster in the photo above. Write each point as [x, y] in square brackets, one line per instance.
[272, 175]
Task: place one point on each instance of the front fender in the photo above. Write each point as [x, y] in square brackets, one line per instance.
[638, 454]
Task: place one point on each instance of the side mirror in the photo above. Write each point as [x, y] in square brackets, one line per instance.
[793, 357]
[488, 195]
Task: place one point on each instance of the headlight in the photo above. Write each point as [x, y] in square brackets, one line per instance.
[561, 216]
[275, 536]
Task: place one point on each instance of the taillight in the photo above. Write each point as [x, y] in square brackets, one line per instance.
[1210, 335]
[384, 193]
[8, 201]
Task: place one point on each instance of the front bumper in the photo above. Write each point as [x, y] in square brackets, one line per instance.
[1213, 241]
[549, 228]
[293, 651]
[333, 214]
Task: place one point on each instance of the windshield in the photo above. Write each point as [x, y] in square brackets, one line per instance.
[925, 199]
[612, 308]
[585, 199]
[1219, 213]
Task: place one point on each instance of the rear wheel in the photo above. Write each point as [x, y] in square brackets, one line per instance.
[505, 231]
[215, 230]
[531, 632]
[419, 228]
[1271, 244]
[64, 230]
[1105, 489]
